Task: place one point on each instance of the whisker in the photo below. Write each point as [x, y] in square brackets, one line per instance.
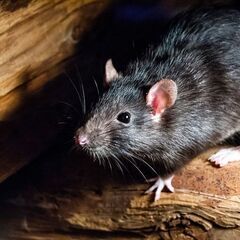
[82, 90]
[74, 86]
[70, 105]
[62, 123]
[110, 165]
[135, 156]
[96, 85]
[84, 98]
[137, 168]
[139, 158]
[99, 159]
[118, 163]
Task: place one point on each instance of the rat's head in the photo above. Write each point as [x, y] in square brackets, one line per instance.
[126, 122]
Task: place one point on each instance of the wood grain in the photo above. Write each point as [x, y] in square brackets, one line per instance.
[79, 200]
[37, 40]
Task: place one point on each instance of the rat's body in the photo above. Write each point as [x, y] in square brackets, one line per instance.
[193, 102]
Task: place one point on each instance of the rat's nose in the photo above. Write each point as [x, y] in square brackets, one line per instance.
[83, 140]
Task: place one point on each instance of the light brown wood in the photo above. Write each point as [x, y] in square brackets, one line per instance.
[37, 40]
[79, 200]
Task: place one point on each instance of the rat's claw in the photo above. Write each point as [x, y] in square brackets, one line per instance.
[159, 185]
[168, 183]
[225, 155]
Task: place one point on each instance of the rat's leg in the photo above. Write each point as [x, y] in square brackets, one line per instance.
[159, 185]
[226, 155]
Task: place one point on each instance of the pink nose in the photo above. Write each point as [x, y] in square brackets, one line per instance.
[83, 140]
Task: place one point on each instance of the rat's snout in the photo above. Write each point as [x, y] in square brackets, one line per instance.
[82, 140]
[90, 139]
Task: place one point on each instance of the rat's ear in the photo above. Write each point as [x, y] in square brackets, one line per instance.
[162, 95]
[110, 72]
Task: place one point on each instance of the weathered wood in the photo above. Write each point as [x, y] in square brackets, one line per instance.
[80, 201]
[37, 38]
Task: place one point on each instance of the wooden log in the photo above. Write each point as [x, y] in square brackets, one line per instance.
[37, 38]
[79, 202]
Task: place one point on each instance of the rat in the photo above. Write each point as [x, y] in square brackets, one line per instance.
[180, 98]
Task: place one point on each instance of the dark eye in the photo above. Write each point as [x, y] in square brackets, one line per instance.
[124, 117]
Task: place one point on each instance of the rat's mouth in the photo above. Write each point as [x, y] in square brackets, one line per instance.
[96, 152]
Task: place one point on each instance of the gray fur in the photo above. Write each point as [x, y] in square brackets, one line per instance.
[201, 53]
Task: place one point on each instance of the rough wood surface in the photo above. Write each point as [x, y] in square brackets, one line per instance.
[34, 39]
[37, 38]
[78, 201]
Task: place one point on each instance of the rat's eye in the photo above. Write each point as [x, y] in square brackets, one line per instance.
[124, 117]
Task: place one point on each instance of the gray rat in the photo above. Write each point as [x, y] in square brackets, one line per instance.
[179, 99]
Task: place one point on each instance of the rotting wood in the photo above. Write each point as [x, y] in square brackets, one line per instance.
[206, 205]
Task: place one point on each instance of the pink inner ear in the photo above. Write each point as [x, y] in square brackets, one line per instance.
[110, 72]
[162, 95]
[159, 103]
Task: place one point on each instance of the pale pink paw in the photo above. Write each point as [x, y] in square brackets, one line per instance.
[226, 155]
[159, 185]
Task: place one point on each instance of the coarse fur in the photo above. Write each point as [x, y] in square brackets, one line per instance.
[200, 52]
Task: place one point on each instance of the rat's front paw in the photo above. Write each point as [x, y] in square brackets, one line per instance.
[159, 185]
[226, 155]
